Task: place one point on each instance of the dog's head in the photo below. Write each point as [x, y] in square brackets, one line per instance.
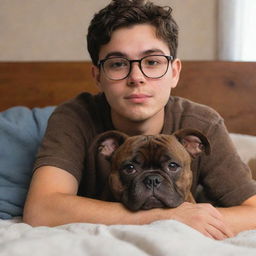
[151, 171]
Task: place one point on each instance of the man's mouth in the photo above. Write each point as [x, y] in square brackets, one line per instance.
[137, 98]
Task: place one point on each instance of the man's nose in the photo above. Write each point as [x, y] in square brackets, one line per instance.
[136, 77]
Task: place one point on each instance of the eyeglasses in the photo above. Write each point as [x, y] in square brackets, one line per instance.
[152, 66]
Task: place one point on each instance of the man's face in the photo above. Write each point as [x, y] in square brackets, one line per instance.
[136, 98]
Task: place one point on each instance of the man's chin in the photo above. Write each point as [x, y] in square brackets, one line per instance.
[136, 117]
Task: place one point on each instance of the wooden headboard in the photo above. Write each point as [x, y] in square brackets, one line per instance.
[228, 87]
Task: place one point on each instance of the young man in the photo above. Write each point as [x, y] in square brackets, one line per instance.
[133, 49]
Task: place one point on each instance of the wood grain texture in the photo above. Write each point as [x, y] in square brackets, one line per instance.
[39, 84]
[228, 87]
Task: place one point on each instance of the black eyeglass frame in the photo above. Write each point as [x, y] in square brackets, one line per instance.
[101, 64]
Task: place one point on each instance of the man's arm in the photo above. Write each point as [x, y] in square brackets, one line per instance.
[241, 218]
[52, 201]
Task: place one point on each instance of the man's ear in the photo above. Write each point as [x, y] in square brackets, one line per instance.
[176, 69]
[96, 76]
[193, 141]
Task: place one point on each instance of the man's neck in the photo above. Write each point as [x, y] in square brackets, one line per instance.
[150, 126]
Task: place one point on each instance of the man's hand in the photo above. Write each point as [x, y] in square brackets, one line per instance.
[205, 218]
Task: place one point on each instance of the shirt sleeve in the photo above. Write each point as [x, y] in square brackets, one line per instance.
[64, 143]
[225, 178]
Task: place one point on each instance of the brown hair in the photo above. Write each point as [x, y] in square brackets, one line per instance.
[125, 13]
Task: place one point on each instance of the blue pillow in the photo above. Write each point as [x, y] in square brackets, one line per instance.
[21, 131]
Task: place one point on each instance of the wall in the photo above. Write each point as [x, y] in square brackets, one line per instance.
[56, 29]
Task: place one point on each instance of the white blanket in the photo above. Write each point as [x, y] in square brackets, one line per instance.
[159, 238]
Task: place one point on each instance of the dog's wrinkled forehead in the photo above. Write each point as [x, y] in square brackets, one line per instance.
[154, 148]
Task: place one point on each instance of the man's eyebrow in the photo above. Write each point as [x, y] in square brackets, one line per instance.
[115, 54]
[144, 53]
[153, 51]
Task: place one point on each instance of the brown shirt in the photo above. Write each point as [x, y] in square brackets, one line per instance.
[74, 124]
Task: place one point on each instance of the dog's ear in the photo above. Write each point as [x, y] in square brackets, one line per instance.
[194, 141]
[109, 141]
[98, 164]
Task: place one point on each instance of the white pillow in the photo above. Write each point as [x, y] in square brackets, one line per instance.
[246, 148]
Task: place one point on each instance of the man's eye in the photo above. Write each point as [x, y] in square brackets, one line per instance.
[129, 169]
[152, 62]
[116, 64]
[173, 166]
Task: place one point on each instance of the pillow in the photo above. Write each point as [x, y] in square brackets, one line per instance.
[21, 130]
[246, 148]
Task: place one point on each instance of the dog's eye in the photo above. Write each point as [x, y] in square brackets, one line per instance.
[129, 169]
[173, 166]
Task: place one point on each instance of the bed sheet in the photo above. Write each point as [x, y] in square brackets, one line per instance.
[158, 238]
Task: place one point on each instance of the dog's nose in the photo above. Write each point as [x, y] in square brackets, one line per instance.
[153, 181]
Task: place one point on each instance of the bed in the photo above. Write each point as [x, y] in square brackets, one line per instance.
[29, 92]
